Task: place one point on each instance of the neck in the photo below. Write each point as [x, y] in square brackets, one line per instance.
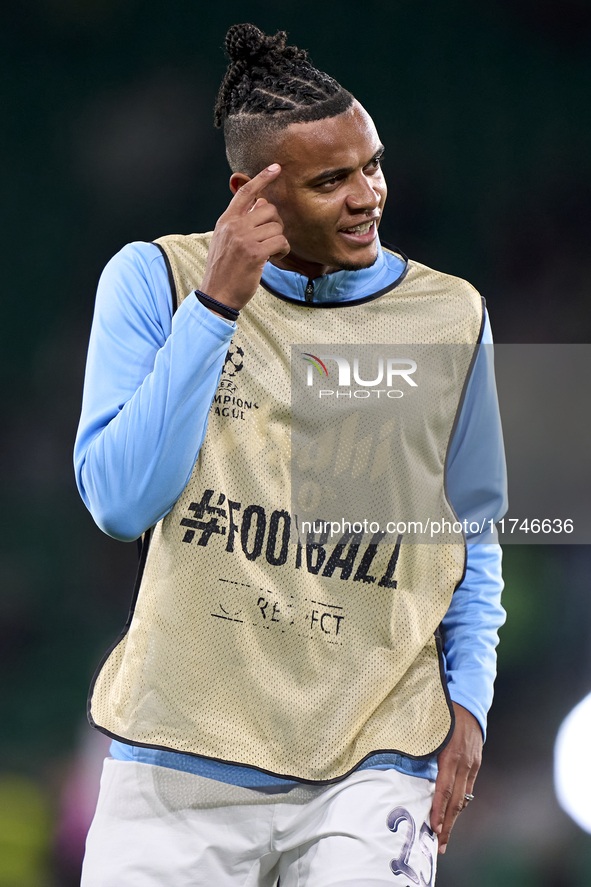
[311, 270]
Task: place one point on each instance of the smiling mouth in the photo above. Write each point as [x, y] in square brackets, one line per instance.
[361, 230]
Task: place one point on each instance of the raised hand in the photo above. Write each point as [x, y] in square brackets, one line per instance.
[245, 237]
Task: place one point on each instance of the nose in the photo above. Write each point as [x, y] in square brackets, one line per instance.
[365, 191]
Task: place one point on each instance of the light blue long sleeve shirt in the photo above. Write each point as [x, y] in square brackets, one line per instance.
[150, 380]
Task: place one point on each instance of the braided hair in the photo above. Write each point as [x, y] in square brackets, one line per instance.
[267, 86]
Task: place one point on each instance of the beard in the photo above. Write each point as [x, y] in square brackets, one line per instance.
[293, 261]
[357, 266]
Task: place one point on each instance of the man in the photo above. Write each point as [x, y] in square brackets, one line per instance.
[278, 702]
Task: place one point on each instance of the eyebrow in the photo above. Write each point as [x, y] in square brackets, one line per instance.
[333, 173]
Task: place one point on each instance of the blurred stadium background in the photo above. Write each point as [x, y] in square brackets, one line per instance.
[107, 137]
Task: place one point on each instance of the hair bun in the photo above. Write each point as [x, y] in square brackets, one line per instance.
[245, 42]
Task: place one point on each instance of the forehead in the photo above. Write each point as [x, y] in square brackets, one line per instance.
[346, 141]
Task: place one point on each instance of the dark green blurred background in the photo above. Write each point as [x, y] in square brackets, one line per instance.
[107, 137]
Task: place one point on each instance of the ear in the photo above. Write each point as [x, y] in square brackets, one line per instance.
[237, 180]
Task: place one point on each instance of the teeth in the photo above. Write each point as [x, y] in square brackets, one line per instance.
[360, 229]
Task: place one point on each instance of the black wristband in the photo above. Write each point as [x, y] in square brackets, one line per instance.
[224, 310]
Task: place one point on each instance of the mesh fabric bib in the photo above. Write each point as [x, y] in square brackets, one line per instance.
[252, 643]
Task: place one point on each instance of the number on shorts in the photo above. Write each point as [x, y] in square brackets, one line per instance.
[426, 835]
[399, 865]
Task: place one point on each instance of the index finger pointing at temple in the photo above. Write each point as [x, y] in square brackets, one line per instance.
[246, 195]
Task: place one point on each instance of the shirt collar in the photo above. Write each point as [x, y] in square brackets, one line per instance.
[339, 286]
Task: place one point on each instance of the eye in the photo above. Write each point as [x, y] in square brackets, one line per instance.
[331, 183]
[375, 163]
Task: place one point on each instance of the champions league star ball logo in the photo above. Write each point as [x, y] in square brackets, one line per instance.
[234, 361]
[226, 402]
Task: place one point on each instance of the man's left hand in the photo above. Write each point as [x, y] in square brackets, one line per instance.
[458, 763]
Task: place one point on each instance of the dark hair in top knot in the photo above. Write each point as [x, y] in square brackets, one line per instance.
[267, 86]
[248, 42]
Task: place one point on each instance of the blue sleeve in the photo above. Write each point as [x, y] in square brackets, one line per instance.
[477, 489]
[150, 381]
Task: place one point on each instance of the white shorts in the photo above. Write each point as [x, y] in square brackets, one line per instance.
[156, 827]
